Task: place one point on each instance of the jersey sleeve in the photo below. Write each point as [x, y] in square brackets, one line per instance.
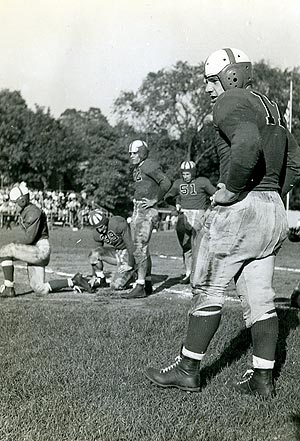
[128, 243]
[30, 224]
[153, 170]
[97, 237]
[208, 187]
[236, 122]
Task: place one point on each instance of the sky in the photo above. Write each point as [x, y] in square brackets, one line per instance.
[82, 53]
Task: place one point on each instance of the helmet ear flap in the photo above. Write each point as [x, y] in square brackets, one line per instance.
[23, 200]
[231, 66]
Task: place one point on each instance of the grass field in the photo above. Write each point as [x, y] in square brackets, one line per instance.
[72, 364]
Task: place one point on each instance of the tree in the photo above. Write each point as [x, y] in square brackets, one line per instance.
[13, 119]
[171, 100]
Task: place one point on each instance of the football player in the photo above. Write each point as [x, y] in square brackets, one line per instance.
[115, 247]
[190, 195]
[33, 249]
[151, 185]
[294, 236]
[259, 163]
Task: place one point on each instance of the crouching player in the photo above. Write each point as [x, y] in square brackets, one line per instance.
[33, 249]
[115, 247]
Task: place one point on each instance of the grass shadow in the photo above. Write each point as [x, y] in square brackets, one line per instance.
[232, 352]
[168, 283]
[296, 421]
[288, 320]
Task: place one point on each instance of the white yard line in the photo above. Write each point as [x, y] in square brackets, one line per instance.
[162, 256]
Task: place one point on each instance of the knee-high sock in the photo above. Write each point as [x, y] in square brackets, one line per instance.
[56, 285]
[264, 338]
[201, 329]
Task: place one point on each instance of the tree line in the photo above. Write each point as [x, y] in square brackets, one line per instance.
[81, 150]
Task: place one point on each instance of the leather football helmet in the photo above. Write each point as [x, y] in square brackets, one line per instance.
[188, 166]
[140, 147]
[97, 218]
[231, 66]
[20, 194]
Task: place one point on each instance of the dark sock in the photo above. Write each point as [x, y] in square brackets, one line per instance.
[201, 329]
[56, 285]
[264, 337]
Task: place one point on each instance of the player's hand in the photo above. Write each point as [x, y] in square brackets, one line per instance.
[223, 196]
[178, 208]
[294, 234]
[148, 203]
[124, 268]
[92, 281]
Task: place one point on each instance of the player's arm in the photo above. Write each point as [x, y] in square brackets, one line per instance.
[293, 164]
[129, 244]
[209, 188]
[97, 237]
[172, 195]
[163, 183]
[30, 227]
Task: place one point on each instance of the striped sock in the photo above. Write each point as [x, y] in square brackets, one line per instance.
[8, 271]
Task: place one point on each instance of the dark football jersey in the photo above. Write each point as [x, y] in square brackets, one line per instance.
[149, 180]
[191, 196]
[33, 222]
[253, 141]
[118, 234]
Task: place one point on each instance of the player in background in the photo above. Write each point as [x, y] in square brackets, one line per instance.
[294, 236]
[33, 249]
[115, 247]
[151, 185]
[259, 163]
[190, 195]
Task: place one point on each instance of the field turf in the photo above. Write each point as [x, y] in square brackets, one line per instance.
[72, 364]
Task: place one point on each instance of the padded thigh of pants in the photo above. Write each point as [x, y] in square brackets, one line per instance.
[254, 287]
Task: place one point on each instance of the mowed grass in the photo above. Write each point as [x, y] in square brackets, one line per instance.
[72, 365]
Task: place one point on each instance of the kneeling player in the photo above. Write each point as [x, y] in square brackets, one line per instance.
[115, 248]
[33, 249]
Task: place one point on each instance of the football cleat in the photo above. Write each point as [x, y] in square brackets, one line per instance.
[7, 291]
[295, 298]
[81, 282]
[257, 382]
[183, 374]
[186, 280]
[138, 292]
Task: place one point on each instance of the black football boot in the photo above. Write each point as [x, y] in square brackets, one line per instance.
[183, 374]
[138, 292]
[82, 282]
[257, 382]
